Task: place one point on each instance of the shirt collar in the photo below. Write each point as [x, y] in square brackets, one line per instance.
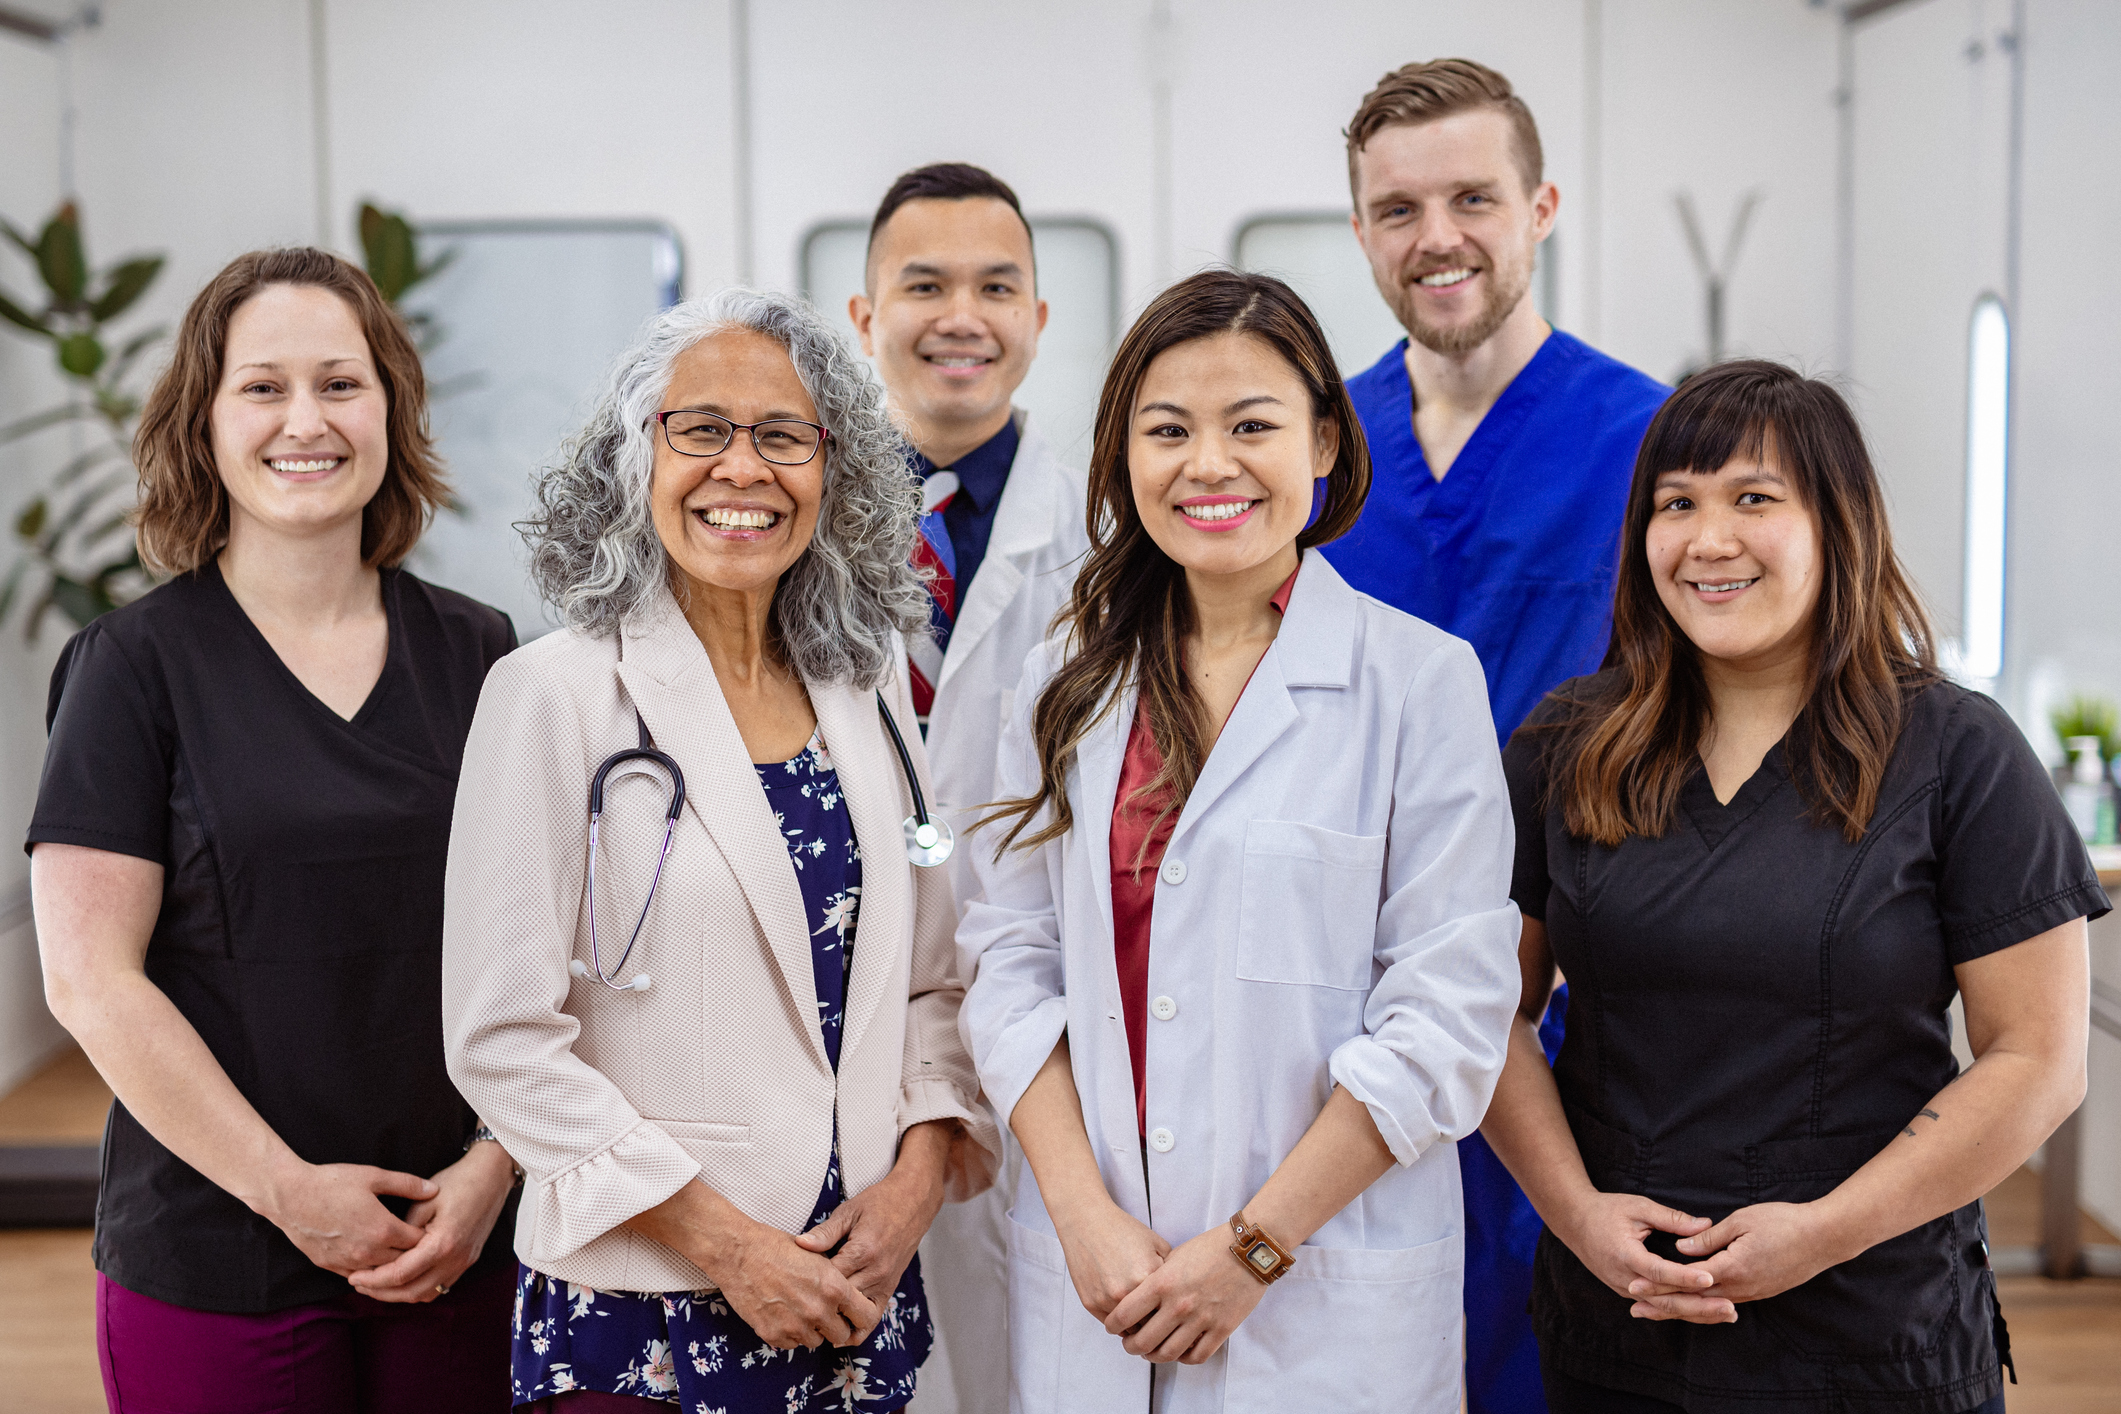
[983, 471]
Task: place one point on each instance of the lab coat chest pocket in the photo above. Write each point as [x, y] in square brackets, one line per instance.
[1307, 908]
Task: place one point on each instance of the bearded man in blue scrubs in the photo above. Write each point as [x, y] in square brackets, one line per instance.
[1500, 450]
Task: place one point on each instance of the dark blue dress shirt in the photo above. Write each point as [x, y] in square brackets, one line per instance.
[981, 474]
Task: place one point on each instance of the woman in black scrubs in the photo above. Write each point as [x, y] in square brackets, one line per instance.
[237, 861]
[1766, 846]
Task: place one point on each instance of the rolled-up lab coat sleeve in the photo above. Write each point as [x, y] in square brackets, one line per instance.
[1436, 1024]
[517, 851]
[939, 1081]
[1008, 942]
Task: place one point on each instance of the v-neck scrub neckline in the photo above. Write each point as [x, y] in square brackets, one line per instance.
[1757, 1005]
[393, 652]
[300, 930]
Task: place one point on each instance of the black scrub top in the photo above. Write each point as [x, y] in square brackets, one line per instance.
[301, 923]
[1757, 1006]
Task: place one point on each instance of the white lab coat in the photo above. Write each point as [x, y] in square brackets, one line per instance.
[1037, 545]
[1333, 908]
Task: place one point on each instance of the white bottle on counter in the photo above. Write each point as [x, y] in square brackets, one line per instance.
[2086, 794]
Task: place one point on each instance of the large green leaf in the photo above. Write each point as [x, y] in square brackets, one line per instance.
[83, 603]
[38, 421]
[27, 246]
[30, 524]
[60, 258]
[80, 355]
[84, 463]
[15, 314]
[390, 252]
[124, 285]
[14, 582]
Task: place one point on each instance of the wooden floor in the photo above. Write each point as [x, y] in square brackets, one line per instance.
[2066, 1335]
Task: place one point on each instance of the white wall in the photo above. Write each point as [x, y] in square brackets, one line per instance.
[2064, 624]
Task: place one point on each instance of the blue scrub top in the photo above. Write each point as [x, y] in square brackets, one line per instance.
[1516, 549]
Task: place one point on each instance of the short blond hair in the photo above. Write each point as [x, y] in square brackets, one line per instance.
[1423, 93]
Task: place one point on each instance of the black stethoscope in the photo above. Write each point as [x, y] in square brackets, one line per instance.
[928, 841]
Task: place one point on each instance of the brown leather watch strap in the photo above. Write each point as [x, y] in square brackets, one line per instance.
[1257, 1253]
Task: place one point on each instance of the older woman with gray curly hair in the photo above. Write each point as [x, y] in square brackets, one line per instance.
[691, 976]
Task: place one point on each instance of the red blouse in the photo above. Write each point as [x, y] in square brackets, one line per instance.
[1137, 855]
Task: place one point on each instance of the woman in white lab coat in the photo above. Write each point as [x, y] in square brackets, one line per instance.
[1245, 951]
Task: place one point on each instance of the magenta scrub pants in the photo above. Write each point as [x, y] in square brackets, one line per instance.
[351, 1355]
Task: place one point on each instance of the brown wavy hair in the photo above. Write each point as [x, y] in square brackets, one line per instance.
[182, 518]
[1626, 744]
[1128, 617]
[1423, 93]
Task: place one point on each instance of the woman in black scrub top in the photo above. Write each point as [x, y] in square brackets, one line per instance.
[237, 862]
[1766, 846]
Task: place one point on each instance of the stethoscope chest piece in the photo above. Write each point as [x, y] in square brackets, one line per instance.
[928, 842]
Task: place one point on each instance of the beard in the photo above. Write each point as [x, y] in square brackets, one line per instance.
[1507, 288]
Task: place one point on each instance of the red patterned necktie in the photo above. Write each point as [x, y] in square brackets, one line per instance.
[934, 556]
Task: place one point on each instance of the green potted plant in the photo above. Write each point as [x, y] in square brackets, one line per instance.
[75, 552]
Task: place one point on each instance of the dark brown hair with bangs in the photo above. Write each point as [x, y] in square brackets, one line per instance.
[1130, 613]
[182, 517]
[1625, 748]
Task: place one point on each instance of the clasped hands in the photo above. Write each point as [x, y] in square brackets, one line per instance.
[334, 1214]
[1164, 1303]
[1756, 1252]
[830, 1285]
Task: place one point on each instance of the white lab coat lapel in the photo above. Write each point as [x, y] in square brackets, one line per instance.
[1023, 524]
[873, 788]
[672, 685]
[1315, 648]
[1099, 760]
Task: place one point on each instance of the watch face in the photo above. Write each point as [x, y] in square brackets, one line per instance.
[1260, 1255]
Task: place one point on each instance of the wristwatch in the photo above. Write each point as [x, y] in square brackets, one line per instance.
[1261, 1255]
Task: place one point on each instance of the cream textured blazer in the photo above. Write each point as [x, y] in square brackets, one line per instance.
[611, 1101]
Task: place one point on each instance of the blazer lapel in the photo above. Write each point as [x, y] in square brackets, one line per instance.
[872, 784]
[672, 685]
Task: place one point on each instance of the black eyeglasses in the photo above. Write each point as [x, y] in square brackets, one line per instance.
[784, 441]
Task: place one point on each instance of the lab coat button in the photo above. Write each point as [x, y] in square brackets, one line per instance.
[1174, 871]
[1162, 1140]
[1163, 1008]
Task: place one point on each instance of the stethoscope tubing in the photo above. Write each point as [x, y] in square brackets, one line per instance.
[928, 843]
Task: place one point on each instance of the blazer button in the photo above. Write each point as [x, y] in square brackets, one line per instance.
[1174, 871]
[1163, 1008]
[1162, 1140]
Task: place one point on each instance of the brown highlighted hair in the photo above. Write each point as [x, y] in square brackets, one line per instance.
[1127, 621]
[1623, 751]
[182, 518]
[1423, 93]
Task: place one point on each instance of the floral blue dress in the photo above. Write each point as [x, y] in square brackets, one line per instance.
[689, 1348]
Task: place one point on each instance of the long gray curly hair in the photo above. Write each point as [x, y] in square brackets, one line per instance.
[594, 552]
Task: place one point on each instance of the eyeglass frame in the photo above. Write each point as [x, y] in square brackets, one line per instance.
[662, 420]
